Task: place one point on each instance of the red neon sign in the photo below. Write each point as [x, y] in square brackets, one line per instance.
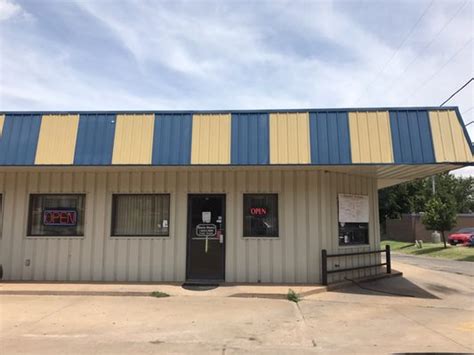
[59, 217]
[258, 211]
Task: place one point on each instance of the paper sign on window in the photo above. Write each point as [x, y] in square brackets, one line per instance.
[353, 208]
[206, 217]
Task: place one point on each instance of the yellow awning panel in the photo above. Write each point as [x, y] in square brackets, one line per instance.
[371, 138]
[2, 121]
[211, 139]
[290, 138]
[449, 142]
[133, 143]
[57, 140]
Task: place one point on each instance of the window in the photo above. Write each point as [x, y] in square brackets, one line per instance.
[353, 219]
[260, 215]
[140, 215]
[56, 215]
[353, 233]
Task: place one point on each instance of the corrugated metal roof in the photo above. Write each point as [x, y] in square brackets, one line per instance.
[330, 143]
[448, 137]
[371, 140]
[133, 142]
[289, 138]
[2, 121]
[172, 139]
[19, 139]
[411, 137]
[211, 139]
[95, 139]
[57, 139]
[252, 137]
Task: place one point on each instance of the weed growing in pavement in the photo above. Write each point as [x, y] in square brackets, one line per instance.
[159, 294]
[293, 296]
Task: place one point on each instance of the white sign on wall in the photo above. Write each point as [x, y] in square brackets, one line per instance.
[353, 208]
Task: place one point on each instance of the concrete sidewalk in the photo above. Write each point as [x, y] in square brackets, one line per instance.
[172, 289]
[278, 291]
[424, 311]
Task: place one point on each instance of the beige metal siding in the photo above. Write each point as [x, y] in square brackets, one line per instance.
[307, 223]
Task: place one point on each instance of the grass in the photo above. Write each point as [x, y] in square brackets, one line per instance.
[159, 294]
[435, 250]
[293, 296]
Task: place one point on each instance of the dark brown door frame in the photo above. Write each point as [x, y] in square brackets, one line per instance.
[188, 230]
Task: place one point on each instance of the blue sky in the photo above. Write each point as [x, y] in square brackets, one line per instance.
[114, 55]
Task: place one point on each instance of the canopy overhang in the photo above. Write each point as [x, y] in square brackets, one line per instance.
[392, 145]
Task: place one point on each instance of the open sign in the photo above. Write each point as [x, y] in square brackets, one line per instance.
[258, 211]
[56, 217]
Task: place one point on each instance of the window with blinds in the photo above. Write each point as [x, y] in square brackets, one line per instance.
[140, 215]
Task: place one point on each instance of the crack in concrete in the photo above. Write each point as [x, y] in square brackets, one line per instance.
[429, 328]
[391, 304]
[30, 325]
[308, 327]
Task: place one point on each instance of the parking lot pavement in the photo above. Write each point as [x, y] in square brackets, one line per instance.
[430, 263]
[351, 320]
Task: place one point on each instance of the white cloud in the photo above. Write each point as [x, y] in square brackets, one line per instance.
[10, 9]
[464, 172]
[213, 55]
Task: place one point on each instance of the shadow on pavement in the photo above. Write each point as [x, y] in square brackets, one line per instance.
[396, 287]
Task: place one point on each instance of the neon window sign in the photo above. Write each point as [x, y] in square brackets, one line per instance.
[60, 217]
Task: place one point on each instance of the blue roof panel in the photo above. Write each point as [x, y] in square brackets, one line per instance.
[330, 142]
[95, 139]
[411, 137]
[19, 139]
[250, 139]
[172, 139]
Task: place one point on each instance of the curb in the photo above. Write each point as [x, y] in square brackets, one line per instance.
[316, 290]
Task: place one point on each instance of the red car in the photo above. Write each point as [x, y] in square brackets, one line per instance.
[463, 236]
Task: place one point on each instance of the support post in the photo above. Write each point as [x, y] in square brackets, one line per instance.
[388, 259]
[324, 267]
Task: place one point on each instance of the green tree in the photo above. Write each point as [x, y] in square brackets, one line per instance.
[440, 215]
[412, 197]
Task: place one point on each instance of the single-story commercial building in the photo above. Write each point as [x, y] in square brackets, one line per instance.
[235, 196]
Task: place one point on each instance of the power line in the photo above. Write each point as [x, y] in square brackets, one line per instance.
[382, 69]
[469, 109]
[440, 68]
[467, 124]
[458, 90]
[390, 85]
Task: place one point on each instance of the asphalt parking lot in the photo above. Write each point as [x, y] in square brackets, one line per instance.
[424, 311]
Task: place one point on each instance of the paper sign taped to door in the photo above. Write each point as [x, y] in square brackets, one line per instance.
[206, 217]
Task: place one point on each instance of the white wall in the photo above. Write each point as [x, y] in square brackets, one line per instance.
[307, 223]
